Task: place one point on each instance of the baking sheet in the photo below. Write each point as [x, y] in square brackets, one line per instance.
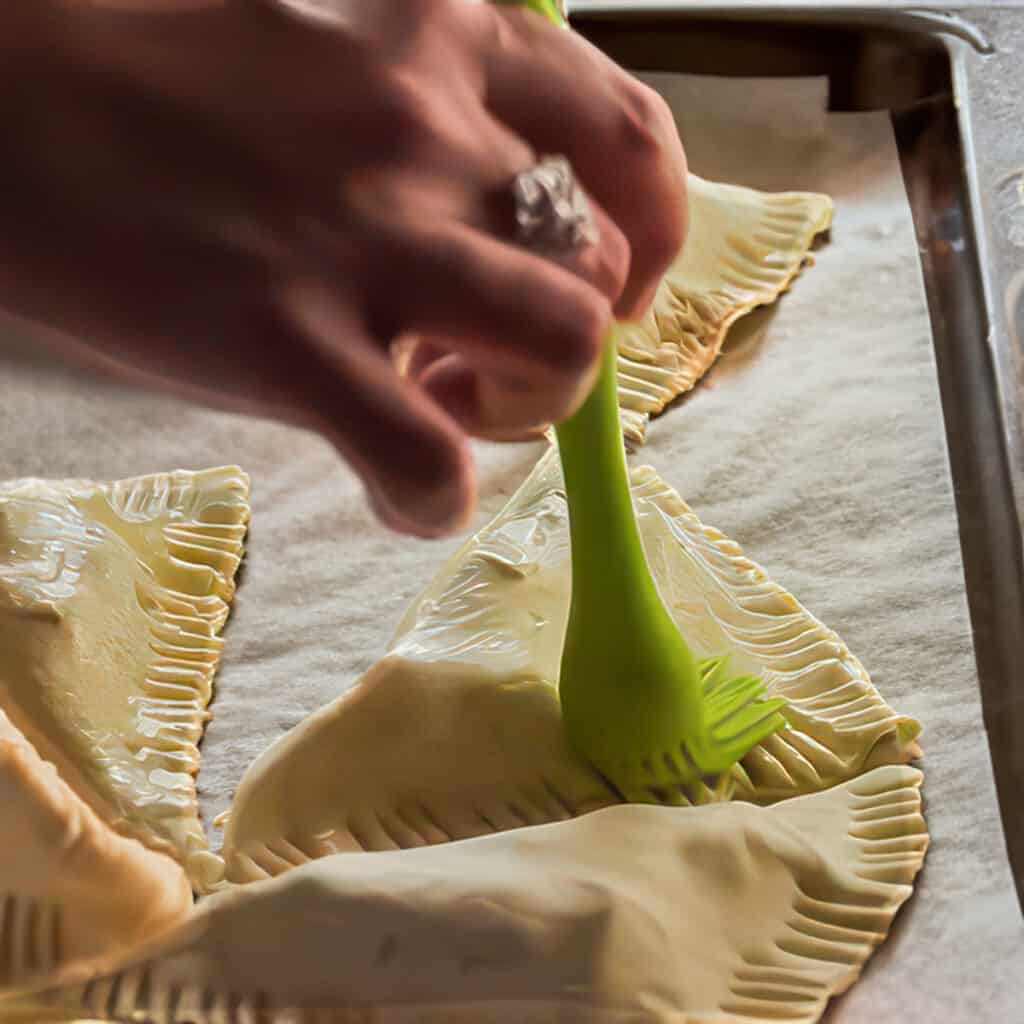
[817, 443]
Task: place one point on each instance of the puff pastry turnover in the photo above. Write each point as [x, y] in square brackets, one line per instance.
[457, 733]
[731, 913]
[743, 250]
[72, 891]
[112, 597]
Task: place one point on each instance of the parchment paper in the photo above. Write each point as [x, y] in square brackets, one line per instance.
[817, 443]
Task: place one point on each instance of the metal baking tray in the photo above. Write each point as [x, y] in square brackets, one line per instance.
[953, 78]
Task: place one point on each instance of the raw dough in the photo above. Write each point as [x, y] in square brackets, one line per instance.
[729, 913]
[71, 889]
[417, 753]
[394, 763]
[743, 250]
[112, 597]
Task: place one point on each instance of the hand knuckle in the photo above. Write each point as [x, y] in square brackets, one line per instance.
[643, 121]
[404, 105]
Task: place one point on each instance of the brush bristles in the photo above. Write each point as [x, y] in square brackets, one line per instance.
[737, 718]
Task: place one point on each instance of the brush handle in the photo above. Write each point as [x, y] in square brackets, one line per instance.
[627, 676]
[606, 548]
[617, 620]
[607, 554]
[634, 702]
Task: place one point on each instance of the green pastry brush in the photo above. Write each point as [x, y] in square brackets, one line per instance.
[636, 703]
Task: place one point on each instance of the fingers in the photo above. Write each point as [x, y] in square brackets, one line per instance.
[533, 327]
[563, 96]
[455, 387]
[484, 406]
[502, 407]
[420, 355]
[604, 264]
[298, 356]
[412, 456]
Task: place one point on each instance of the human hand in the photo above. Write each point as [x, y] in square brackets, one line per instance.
[249, 202]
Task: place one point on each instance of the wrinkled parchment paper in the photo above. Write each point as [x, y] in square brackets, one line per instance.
[816, 442]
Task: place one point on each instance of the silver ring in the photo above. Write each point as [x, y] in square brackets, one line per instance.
[552, 213]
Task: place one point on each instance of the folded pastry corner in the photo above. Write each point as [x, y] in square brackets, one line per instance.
[72, 891]
[418, 753]
[112, 599]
